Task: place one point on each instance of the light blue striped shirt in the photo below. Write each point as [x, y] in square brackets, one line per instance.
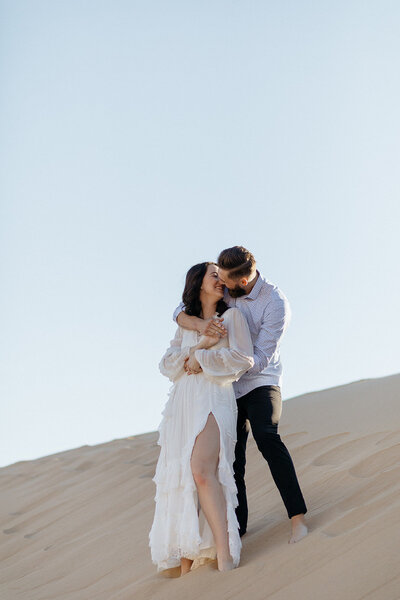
[268, 315]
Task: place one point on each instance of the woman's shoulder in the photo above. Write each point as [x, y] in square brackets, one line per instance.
[232, 314]
[187, 336]
[232, 310]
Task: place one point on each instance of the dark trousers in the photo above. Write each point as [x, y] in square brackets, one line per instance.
[263, 407]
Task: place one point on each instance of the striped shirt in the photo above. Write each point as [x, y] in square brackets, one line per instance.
[268, 314]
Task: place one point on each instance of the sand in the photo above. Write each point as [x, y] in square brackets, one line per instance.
[74, 525]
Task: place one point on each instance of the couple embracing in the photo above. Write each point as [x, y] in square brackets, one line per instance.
[225, 367]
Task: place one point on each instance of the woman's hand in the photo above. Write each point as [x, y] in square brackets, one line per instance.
[191, 364]
[207, 341]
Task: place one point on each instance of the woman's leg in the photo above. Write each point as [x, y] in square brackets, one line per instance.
[204, 465]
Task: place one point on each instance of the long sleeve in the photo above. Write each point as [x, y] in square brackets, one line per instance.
[171, 364]
[178, 309]
[225, 365]
[273, 327]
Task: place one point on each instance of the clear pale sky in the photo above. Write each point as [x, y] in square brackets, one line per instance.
[139, 138]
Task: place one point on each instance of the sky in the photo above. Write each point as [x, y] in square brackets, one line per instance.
[140, 138]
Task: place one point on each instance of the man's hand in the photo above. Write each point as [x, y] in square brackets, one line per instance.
[212, 327]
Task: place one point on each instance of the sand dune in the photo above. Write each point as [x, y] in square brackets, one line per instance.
[74, 525]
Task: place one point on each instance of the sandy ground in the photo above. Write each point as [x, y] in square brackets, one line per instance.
[74, 525]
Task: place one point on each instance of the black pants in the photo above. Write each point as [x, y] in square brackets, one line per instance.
[263, 407]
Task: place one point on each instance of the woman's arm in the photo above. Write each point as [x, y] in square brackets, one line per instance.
[172, 363]
[226, 365]
[192, 365]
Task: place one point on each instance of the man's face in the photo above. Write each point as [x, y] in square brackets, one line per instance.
[236, 287]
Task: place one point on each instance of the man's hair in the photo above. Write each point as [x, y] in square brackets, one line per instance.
[238, 261]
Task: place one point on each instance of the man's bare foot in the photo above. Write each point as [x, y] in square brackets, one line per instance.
[299, 528]
[186, 563]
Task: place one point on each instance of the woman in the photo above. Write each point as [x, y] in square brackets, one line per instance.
[195, 498]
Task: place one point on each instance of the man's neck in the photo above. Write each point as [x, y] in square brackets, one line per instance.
[252, 283]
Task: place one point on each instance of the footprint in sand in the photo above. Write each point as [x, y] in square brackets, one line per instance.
[393, 436]
[11, 530]
[345, 451]
[382, 483]
[84, 466]
[149, 463]
[359, 516]
[290, 437]
[303, 452]
[384, 460]
[139, 461]
[16, 529]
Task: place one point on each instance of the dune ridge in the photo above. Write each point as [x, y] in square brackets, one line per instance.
[74, 525]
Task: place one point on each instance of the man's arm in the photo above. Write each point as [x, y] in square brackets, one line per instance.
[189, 322]
[210, 327]
[186, 321]
[177, 311]
[270, 335]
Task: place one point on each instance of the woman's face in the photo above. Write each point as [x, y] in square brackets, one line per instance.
[211, 283]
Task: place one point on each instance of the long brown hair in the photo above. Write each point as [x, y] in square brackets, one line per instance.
[191, 293]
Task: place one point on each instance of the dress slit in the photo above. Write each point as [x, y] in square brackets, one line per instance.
[217, 473]
[202, 429]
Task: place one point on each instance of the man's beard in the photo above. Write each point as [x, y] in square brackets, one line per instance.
[237, 292]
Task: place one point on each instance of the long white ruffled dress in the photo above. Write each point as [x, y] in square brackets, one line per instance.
[180, 528]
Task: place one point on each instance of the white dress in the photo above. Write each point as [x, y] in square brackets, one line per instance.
[180, 528]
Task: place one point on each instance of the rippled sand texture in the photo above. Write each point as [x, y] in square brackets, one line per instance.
[74, 525]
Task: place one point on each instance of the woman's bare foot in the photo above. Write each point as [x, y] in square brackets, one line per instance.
[299, 528]
[186, 563]
[225, 563]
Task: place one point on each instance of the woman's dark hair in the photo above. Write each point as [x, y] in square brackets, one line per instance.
[191, 293]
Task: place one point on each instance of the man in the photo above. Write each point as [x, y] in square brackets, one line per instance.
[258, 391]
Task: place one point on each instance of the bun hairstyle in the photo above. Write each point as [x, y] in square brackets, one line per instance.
[238, 261]
[191, 293]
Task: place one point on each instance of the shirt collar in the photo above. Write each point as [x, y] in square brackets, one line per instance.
[256, 288]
